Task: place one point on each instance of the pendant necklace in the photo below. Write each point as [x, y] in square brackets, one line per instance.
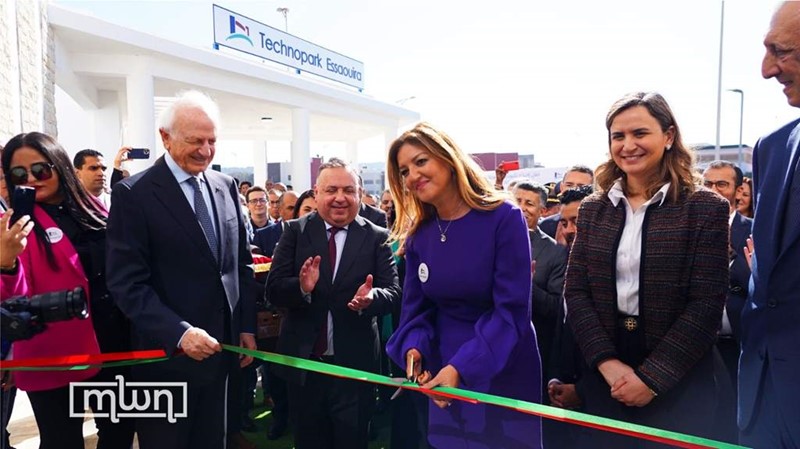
[443, 234]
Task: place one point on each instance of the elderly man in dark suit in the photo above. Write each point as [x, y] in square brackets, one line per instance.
[178, 268]
[768, 390]
[336, 275]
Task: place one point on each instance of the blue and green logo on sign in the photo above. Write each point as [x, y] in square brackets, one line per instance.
[244, 34]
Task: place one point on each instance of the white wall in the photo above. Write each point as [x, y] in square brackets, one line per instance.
[27, 80]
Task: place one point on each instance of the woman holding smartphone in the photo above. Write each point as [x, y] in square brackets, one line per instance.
[60, 246]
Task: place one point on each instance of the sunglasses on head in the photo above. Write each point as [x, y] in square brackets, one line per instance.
[40, 170]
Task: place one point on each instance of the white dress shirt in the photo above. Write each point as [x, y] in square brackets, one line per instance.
[726, 323]
[629, 251]
[340, 238]
[105, 198]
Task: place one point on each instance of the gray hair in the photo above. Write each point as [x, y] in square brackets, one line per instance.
[335, 162]
[189, 99]
[534, 187]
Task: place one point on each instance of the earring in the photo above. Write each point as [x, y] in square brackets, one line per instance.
[669, 147]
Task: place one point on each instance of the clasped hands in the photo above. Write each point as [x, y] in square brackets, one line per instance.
[626, 386]
[309, 275]
[446, 377]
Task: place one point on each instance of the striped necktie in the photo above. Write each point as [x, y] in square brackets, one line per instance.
[204, 218]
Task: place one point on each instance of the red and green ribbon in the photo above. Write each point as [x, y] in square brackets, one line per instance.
[82, 362]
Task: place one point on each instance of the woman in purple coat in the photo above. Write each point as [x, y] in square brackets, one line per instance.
[465, 318]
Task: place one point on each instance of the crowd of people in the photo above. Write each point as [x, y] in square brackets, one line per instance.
[644, 290]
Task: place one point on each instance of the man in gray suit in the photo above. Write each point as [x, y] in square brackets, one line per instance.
[550, 261]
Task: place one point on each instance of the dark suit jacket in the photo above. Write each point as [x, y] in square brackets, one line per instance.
[163, 275]
[549, 225]
[355, 336]
[373, 214]
[770, 331]
[116, 176]
[547, 290]
[266, 238]
[741, 227]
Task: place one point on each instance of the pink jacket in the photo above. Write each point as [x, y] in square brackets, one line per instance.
[34, 275]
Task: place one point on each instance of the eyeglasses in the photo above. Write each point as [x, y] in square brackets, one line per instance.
[258, 201]
[40, 170]
[719, 184]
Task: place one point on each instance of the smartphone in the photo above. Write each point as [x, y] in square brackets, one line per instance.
[510, 165]
[139, 153]
[22, 201]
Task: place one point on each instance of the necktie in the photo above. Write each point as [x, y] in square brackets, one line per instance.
[201, 212]
[321, 345]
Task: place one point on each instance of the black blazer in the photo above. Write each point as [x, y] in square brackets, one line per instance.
[741, 227]
[373, 214]
[547, 289]
[164, 277]
[355, 336]
[266, 238]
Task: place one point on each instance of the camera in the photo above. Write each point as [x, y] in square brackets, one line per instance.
[22, 318]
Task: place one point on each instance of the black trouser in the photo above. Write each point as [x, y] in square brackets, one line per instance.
[6, 406]
[280, 397]
[728, 372]
[58, 431]
[204, 427]
[235, 400]
[249, 382]
[689, 407]
[330, 413]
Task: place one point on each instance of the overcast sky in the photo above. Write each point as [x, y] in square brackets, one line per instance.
[530, 77]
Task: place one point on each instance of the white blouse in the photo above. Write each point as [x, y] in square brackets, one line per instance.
[629, 251]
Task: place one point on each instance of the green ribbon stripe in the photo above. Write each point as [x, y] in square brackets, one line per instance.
[522, 406]
[606, 424]
[88, 366]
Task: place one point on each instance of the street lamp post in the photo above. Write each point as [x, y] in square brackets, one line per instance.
[741, 123]
[285, 12]
[719, 78]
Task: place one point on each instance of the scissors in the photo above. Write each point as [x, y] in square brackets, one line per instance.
[402, 380]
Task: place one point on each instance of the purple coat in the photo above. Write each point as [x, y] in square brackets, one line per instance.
[466, 302]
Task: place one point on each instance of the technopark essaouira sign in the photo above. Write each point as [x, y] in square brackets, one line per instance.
[241, 33]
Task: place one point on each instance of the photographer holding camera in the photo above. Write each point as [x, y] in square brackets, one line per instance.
[60, 246]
